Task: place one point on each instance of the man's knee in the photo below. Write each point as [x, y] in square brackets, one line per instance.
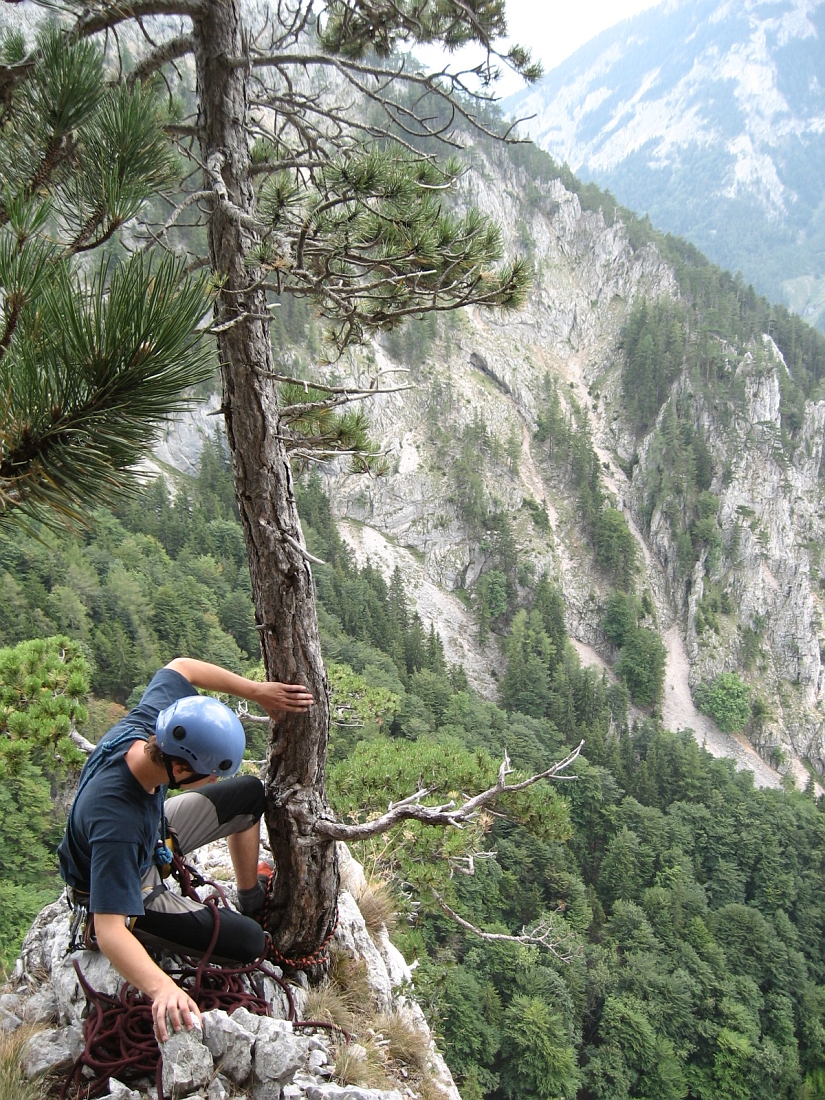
[240, 796]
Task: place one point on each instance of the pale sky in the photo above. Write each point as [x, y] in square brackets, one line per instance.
[553, 29]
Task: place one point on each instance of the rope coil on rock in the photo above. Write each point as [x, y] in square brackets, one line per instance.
[119, 1030]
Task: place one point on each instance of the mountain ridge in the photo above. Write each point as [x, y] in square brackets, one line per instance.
[711, 117]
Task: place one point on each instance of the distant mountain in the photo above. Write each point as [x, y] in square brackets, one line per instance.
[710, 116]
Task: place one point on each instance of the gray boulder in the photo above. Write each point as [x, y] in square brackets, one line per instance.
[119, 1091]
[51, 1051]
[230, 1045]
[187, 1064]
[279, 1054]
[41, 1007]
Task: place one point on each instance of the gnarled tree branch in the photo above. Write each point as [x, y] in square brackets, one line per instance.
[540, 936]
[160, 56]
[410, 808]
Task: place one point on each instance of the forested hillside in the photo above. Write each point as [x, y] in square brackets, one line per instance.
[685, 903]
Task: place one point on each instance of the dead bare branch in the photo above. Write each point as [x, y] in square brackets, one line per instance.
[410, 808]
[541, 936]
[82, 742]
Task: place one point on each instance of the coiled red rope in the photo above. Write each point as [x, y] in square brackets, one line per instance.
[119, 1032]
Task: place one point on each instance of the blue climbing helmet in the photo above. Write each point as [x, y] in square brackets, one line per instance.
[204, 732]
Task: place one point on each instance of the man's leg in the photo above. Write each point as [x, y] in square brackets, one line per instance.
[229, 809]
[219, 810]
[186, 926]
[243, 851]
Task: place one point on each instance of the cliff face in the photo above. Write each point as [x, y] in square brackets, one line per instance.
[483, 377]
[489, 370]
[466, 464]
[770, 515]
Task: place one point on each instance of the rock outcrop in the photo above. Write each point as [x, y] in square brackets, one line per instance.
[262, 1057]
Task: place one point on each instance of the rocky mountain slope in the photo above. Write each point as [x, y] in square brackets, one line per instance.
[480, 385]
[480, 483]
[711, 117]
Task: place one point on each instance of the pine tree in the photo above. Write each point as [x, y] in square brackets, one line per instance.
[303, 198]
[93, 356]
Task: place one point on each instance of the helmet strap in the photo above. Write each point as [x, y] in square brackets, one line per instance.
[194, 778]
[175, 783]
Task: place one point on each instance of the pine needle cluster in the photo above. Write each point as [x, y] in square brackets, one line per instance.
[95, 351]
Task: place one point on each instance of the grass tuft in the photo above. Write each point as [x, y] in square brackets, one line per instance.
[330, 1005]
[405, 1042]
[14, 1085]
[359, 1065]
[349, 976]
[430, 1089]
[378, 907]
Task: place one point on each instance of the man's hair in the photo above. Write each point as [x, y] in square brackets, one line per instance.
[155, 754]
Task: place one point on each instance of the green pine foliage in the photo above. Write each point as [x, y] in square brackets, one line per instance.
[43, 688]
[95, 353]
[164, 576]
[654, 344]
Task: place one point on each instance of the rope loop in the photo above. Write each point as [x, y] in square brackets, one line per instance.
[318, 957]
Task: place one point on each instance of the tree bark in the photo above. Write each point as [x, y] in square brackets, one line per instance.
[302, 909]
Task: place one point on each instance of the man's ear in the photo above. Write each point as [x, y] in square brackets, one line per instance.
[181, 770]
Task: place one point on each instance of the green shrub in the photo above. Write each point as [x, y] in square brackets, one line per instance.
[621, 617]
[726, 700]
[642, 666]
[616, 546]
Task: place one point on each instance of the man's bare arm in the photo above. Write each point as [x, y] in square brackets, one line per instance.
[132, 962]
[273, 697]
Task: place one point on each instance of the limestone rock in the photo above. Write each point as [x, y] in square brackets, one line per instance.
[349, 1092]
[119, 1091]
[51, 1051]
[187, 1063]
[219, 1088]
[352, 936]
[41, 1007]
[229, 1044]
[279, 1054]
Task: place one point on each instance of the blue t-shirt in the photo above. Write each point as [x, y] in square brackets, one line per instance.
[114, 823]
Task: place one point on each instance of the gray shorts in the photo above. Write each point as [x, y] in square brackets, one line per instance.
[185, 926]
[197, 818]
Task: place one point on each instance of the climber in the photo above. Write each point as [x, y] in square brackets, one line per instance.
[114, 851]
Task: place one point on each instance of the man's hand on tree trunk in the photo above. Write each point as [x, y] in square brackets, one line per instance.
[277, 699]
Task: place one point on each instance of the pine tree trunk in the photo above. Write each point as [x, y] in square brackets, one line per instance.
[303, 906]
